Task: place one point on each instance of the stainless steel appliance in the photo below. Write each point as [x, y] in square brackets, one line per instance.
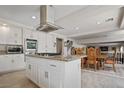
[68, 44]
[31, 46]
[47, 13]
[14, 49]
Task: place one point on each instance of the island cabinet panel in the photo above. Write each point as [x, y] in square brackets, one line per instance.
[53, 73]
[32, 69]
[43, 75]
[49, 74]
[56, 74]
[72, 77]
[32, 72]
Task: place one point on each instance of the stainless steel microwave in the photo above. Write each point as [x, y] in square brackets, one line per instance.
[14, 49]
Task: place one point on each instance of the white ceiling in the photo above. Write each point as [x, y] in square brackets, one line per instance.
[86, 20]
[23, 13]
[106, 44]
[70, 17]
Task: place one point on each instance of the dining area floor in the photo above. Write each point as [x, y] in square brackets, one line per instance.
[106, 78]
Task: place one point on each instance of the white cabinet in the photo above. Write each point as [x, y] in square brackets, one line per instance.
[18, 61]
[14, 36]
[43, 75]
[30, 34]
[32, 72]
[11, 62]
[54, 73]
[51, 47]
[5, 64]
[28, 70]
[10, 35]
[46, 43]
[42, 47]
[37, 71]
[3, 35]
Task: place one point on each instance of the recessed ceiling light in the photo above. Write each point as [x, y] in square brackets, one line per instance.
[4, 24]
[33, 17]
[98, 23]
[77, 28]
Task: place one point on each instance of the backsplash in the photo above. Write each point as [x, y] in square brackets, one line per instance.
[3, 49]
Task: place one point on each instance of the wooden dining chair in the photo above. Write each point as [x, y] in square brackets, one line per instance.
[98, 55]
[110, 60]
[79, 51]
[98, 52]
[91, 53]
[83, 62]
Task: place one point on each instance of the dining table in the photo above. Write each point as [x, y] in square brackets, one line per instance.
[100, 59]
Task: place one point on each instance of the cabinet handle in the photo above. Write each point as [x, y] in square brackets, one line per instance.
[29, 66]
[53, 65]
[46, 75]
[12, 61]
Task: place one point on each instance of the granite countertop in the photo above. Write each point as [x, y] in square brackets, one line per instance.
[10, 54]
[59, 57]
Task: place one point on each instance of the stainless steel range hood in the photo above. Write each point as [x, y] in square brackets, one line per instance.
[47, 19]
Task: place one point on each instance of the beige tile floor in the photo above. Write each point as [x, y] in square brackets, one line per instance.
[91, 79]
[15, 80]
[106, 78]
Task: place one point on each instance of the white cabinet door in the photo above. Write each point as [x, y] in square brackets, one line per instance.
[42, 48]
[11, 62]
[46, 43]
[32, 71]
[49, 43]
[54, 43]
[14, 36]
[28, 70]
[55, 75]
[43, 76]
[29, 34]
[3, 35]
[51, 48]
[18, 61]
[11, 35]
[5, 64]
[34, 34]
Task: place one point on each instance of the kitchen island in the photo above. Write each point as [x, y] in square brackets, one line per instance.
[55, 71]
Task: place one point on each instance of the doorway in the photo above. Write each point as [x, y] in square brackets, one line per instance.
[59, 45]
